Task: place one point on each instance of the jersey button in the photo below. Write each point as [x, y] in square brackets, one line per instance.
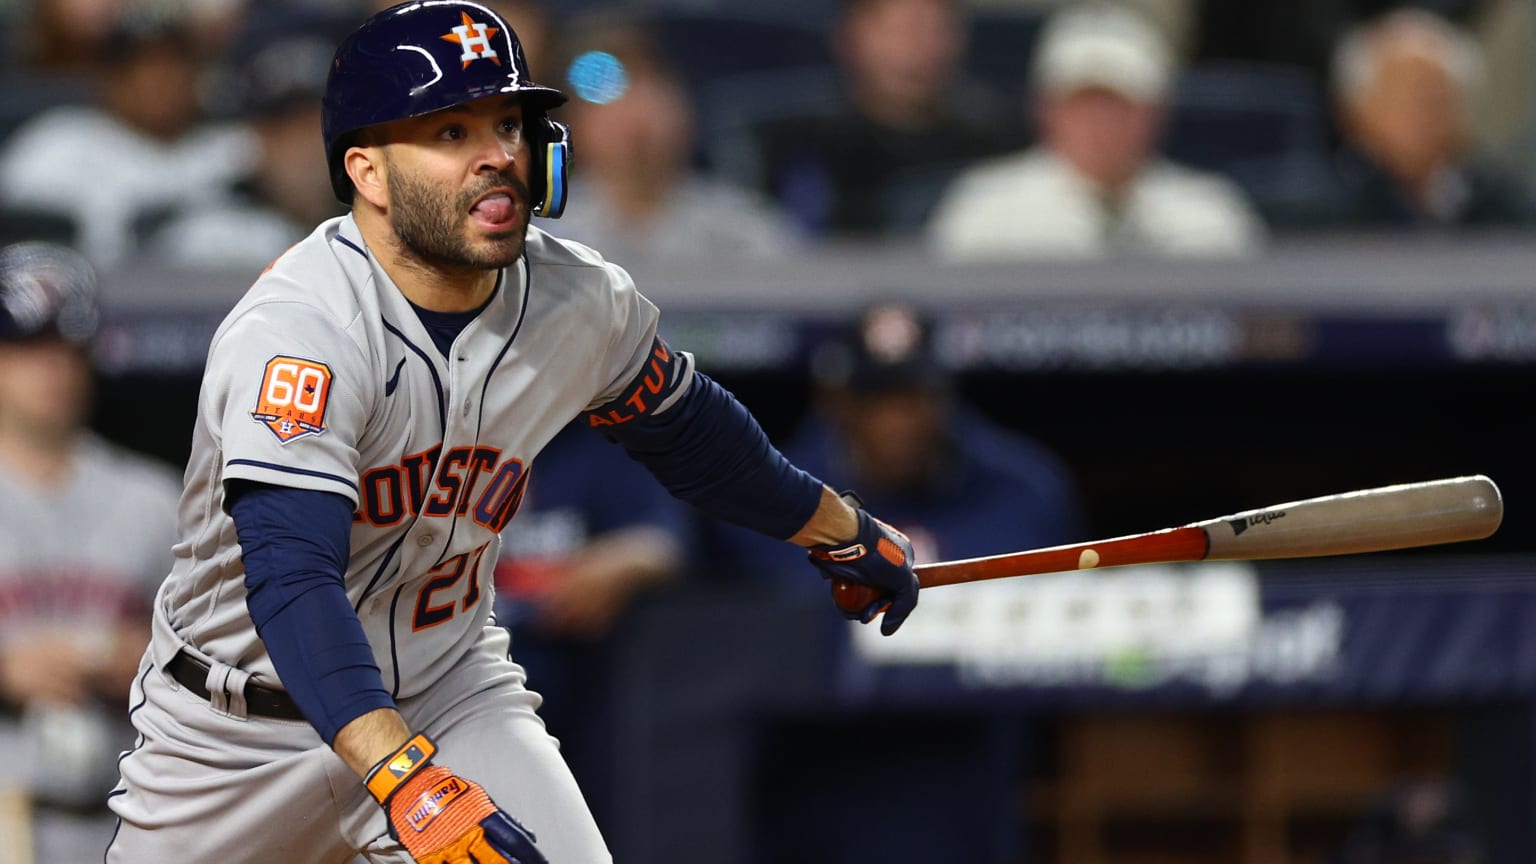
[424, 540]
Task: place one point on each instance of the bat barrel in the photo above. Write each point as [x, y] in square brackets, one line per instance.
[1370, 520]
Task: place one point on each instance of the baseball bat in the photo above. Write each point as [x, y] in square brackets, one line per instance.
[1366, 520]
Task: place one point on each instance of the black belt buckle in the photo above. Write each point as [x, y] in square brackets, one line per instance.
[260, 701]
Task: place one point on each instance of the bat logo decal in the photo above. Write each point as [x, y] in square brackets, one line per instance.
[1243, 524]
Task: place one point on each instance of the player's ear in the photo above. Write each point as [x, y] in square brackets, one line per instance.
[365, 167]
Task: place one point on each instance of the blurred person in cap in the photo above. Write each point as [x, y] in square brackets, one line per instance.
[1096, 184]
[888, 426]
[145, 150]
[636, 122]
[276, 88]
[85, 537]
[1403, 83]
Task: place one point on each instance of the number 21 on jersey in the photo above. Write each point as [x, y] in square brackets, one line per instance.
[432, 606]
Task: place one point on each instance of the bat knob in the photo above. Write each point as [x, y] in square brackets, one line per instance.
[853, 597]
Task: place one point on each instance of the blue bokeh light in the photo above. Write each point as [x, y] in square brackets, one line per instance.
[598, 77]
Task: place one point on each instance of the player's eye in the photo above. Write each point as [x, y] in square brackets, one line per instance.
[512, 126]
[452, 132]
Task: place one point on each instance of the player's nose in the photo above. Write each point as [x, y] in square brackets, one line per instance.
[497, 151]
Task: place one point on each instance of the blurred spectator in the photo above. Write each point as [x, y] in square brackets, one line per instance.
[277, 89]
[114, 168]
[872, 163]
[1420, 822]
[1303, 34]
[1096, 184]
[888, 426]
[85, 537]
[593, 532]
[68, 37]
[1403, 82]
[636, 193]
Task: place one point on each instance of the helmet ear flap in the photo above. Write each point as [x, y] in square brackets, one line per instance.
[554, 169]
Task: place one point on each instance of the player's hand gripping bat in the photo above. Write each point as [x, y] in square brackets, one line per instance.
[1367, 520]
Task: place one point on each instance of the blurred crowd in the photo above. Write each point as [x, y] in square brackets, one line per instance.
[185, 132]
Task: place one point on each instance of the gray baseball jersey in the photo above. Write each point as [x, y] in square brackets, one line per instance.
[323, 378]
[76, 561]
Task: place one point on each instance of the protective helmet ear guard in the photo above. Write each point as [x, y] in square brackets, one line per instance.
[427, 55]
[552, 186]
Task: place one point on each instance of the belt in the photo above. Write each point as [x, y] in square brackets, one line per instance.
[260, 701]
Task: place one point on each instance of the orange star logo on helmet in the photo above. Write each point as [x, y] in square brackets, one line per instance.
[475, 38]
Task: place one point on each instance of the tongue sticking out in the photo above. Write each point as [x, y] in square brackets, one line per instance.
[497, 208]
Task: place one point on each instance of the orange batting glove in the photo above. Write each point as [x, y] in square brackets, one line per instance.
[442, 818]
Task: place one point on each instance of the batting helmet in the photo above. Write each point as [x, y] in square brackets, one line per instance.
[47, 291]
[427, 55]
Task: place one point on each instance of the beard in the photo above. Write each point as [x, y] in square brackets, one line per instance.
[430, 224]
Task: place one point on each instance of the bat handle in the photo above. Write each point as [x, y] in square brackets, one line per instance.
[852, 597]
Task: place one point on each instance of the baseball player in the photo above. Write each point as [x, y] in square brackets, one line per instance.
[324, 678]
[85, 535]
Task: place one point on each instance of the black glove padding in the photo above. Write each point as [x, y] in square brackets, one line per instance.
[878, 556]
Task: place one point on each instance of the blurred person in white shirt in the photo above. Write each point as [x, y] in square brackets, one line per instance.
[143, 152]
[1096, 184]
[276, 88]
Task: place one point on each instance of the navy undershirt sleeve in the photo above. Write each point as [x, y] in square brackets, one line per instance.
[709, 450]
[295, 544]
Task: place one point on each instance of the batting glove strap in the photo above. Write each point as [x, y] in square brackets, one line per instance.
[878, 556]
[394, 770]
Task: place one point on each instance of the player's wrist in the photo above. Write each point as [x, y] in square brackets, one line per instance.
[398, 768]
[369, 739]
[835, 522]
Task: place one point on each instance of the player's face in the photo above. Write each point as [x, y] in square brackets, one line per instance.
[458, 184]
[1104, 135]
[45, 387]
[1410, 116]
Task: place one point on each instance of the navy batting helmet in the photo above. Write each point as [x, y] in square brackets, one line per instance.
[47, 291]
[424, 56]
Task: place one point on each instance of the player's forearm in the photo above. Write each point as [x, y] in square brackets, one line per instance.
[833, 523]
[367, 740]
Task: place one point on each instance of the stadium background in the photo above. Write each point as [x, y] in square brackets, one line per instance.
[746, 726]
